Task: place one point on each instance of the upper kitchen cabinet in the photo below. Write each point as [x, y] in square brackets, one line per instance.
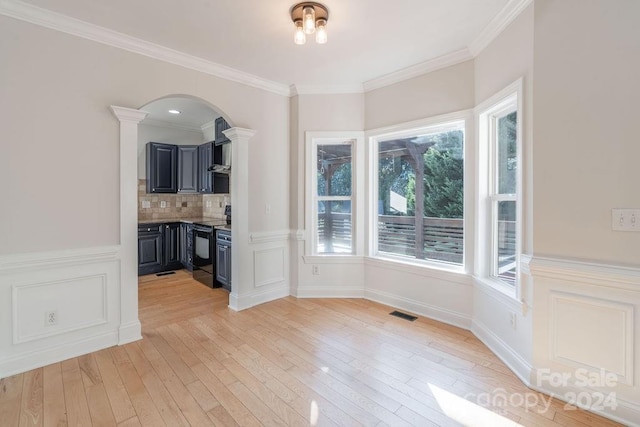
[162, 164]
[205, 159]
[221, 125]
[188, 169]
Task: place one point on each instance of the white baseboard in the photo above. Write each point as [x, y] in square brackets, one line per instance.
[35, 359]
[129, 332]
[328, 292]
[436, 313]
[242, 302]
[511, 358]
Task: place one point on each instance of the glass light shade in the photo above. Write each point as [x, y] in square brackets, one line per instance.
[321, 31]
[299, 37]
[309, 19]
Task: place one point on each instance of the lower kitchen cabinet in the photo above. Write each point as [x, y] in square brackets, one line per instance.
[172, 243]
[159, 248]
[186, 246]
[223, 258]
[150, 249]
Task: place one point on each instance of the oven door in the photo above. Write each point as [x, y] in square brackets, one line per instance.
[203, 255]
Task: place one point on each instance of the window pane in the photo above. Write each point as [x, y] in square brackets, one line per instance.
[334, 170]
[505, 237]
[434, 206]
[334, 226]
[507, 163]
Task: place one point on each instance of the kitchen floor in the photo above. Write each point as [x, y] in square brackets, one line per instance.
[287, 362]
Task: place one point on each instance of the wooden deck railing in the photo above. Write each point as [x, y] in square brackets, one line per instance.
[443, 237]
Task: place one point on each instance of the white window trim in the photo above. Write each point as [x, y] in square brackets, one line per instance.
[408, 129]
[312, 140]
[485, 166]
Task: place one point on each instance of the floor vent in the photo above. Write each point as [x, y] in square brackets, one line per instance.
[402, 315]
[166, 273]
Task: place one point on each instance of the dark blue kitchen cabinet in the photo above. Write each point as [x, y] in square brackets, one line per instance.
[220, 126]
[162, 164]
[150, 249]
[205, 159]
[160, 247]
[188, 172]
[186, 246]
[172, 244]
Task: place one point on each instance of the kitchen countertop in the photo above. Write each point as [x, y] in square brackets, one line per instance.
[220, 224]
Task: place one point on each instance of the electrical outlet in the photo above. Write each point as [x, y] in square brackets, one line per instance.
[163, 204]
[51, 318]
[512, 320]
[208, 203]
[146, 204]
[315, 270]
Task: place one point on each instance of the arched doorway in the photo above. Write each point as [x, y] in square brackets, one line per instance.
[130, 329]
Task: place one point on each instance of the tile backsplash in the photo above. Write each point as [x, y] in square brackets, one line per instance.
[174, 206]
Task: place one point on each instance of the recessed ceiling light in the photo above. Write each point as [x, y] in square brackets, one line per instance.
[174, 111]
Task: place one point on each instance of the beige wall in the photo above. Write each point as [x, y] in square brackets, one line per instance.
[60, 140]
[439, 92]
[586, 112]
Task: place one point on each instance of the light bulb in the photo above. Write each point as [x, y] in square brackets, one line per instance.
[309, 18]
[321, 32]
[299, 37]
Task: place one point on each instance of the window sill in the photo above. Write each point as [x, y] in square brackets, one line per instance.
[498, 290]
[333, 259]
[449, 273]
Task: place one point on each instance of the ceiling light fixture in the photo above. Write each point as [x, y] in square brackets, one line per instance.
[174, 111]
[309, 18]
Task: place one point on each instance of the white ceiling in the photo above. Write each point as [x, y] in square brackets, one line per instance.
[367, 38]
[193, 113]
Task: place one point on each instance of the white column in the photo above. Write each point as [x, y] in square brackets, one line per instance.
[130, 328]
[241, 256]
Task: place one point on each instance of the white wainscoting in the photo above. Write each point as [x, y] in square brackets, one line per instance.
[575, 320]
[270, 270]
[585, 323]
[81, 286]
[269, 266]
[59, 298]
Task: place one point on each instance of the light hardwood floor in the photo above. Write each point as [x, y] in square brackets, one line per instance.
[288, 362]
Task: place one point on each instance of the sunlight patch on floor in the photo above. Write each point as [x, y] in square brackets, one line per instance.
[313, 413]
[468, 413]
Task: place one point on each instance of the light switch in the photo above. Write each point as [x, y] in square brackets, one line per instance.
[625, 219]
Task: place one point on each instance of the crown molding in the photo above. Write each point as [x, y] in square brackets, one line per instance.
[56, 21]
[417, 70]
[208, 125]
[325, 89]
[508, 13]
[59, 22]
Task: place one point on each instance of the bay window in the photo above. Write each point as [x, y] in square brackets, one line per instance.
[499, 196]
[333, 193]
[420, 194]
